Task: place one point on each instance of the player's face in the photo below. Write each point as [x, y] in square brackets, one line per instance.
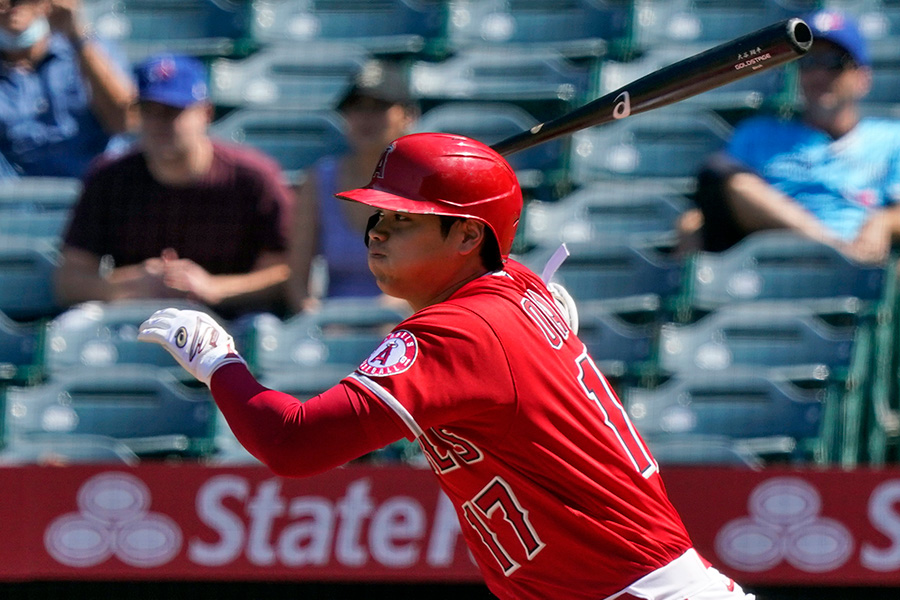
[412, 259]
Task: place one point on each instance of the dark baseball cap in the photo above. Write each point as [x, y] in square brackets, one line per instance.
[842, 30]
[172, 79]
[379, 80]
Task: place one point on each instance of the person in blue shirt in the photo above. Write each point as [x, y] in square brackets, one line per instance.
[63, 94]
[377, 107]
[831, 175]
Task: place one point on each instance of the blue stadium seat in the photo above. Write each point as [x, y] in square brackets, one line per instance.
[576, 28]
[756, 334]
[285, 78]
[205, 28]
[52, 449]
[20, 349]
[522, 78]
[379, 26]
[296, 139]
[609, 210]
[701, 24]
[104, 334]
[148, 410]
[777, 265]
[738, 404]
[37, 206]
[671, 142]
[27, 265]
[595, 271]
[621, 348]
[703, 449]
[342, 332]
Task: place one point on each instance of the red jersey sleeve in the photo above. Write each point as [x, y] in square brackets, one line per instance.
[295, 438]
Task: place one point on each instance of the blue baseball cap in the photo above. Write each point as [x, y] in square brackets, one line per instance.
[173, 80]
[842, 30]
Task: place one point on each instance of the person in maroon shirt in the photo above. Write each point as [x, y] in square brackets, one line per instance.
[556, 493]
[181, 215]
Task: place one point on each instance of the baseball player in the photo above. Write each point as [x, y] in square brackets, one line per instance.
[556, 493]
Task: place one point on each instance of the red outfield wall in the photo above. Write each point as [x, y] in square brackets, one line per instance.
[188, 522]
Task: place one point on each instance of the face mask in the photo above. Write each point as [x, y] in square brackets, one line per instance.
[37, 31]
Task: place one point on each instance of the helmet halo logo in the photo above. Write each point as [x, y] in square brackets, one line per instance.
[382, 162]
[396, 353]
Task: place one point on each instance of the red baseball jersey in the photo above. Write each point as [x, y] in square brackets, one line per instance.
[556, 492]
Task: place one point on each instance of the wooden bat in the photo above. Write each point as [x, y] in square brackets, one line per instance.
[763, 49]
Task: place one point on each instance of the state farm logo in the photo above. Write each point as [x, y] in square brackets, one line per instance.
[113, 519]
[784, 525]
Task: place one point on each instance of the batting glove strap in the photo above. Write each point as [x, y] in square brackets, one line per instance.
[194, 338]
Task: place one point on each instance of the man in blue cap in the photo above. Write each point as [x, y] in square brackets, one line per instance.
[830, 175]
[181, 215]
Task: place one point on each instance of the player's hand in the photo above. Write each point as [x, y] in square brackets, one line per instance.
[566, 305]
[194, 338]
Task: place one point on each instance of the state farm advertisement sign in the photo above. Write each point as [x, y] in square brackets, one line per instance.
[772, 527]
[207, 523]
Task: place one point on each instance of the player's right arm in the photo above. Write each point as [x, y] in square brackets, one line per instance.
[291, 437]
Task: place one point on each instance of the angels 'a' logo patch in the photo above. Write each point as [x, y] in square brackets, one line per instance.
[396, 354]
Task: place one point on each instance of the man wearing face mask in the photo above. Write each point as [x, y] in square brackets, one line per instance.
[63, 94]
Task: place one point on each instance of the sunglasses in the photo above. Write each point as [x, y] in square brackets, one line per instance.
[827, 62]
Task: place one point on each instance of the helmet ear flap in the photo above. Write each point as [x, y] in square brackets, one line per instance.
[370, 225]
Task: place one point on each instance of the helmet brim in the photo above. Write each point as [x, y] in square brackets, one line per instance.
[387, 201]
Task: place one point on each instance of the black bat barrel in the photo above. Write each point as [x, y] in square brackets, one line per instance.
[747, 55]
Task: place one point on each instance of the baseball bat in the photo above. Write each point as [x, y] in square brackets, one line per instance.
[741, 57]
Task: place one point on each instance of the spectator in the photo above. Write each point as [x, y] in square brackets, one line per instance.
[63, 94]
[830, 175]
[378, 108]
[181, 215]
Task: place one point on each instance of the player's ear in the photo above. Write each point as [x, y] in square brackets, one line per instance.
[471, 234]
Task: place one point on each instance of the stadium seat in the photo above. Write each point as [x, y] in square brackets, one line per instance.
[701, 449]
[756, 334]
[671, 142]
[610, 210]
[596, 271]
[285, 78]
[622, 348]
[205, 28]
[26, 277]
[20, 349]
[702, 24]
[776, 265]
[36, 206]
[104, 334]
[491, 122]
[52, 449]
[542, 83]
[575, 28]
[342, 332]
[738, 404]
[379, 26]
[148, 410]
[296, 139]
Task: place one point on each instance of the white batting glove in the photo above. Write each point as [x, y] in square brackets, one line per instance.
[566, 305]
[194, 338]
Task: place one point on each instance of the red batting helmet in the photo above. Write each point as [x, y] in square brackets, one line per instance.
[449, 175]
